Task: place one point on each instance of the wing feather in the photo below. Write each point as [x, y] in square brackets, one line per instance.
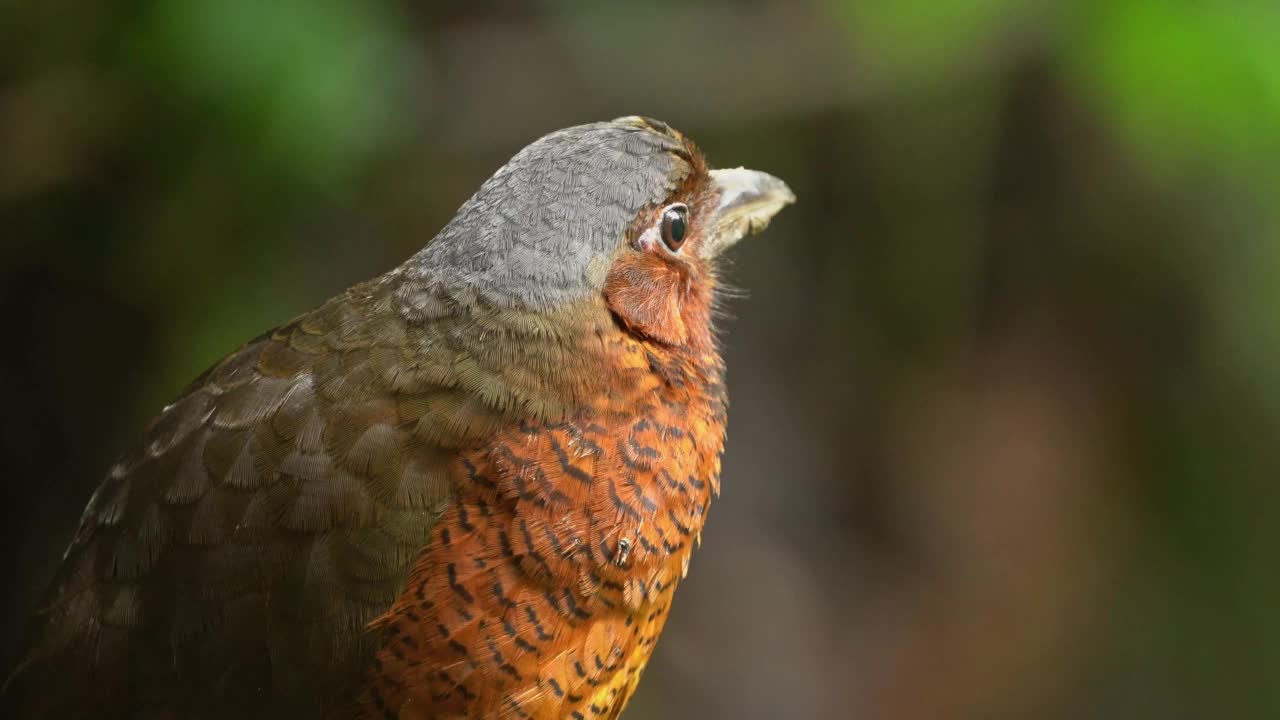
[229, 565]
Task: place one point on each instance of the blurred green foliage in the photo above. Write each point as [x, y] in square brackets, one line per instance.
[1192, 86]
[311, 89]
[923, 41]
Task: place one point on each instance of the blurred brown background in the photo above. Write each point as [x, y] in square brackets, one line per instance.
[1006, 381]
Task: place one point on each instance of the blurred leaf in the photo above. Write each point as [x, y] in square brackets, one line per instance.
[1185, 81]
[311, 86]
[923, 39]
[1194, 90]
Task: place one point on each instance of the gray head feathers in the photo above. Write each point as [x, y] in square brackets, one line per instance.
[538, 234]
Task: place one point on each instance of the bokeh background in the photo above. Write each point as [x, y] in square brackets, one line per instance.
[1006, 380]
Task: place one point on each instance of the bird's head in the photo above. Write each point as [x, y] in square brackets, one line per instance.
[625, 211]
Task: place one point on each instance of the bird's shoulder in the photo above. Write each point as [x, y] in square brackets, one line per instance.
[263, 518]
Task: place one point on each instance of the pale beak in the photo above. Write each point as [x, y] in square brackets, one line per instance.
[748, 201]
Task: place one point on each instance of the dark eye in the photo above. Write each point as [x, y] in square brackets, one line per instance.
[675, 225]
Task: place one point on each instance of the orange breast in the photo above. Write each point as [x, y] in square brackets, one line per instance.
[548, 580]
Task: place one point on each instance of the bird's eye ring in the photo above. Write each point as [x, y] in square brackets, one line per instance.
[675, 226]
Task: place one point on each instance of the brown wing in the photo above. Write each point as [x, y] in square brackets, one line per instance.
[229, 564]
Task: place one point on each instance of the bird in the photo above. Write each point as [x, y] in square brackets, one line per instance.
[467, 488]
